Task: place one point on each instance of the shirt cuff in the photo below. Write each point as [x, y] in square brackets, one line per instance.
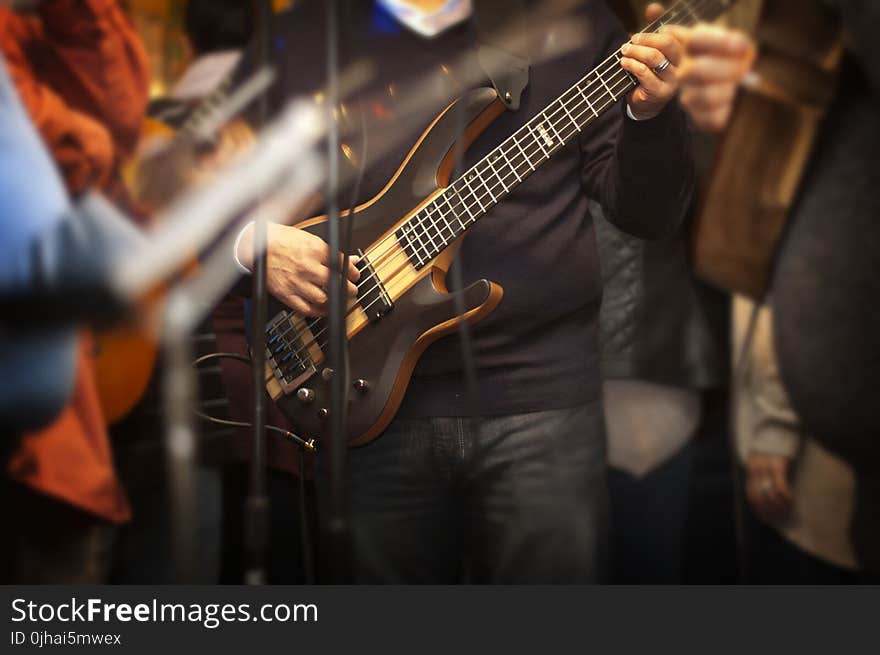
[629, 112]
[241, 267]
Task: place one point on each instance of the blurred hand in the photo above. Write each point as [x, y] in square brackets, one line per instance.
[168, 166]
[767, 487]
[642, 56]
[233, 139]
[297, 270]
[716, 60]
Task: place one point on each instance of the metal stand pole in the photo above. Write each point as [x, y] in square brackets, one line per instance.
[181, 442]
[257, 508]
[336, 523]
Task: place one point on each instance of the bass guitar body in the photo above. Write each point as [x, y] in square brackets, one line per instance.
[401, 308]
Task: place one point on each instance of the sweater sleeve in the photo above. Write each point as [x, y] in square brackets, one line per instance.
[641, 172]
[100, 66]
[769, 425]
[80, 146]
[82, 74]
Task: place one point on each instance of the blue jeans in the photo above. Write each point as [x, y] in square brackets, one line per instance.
[516, 499]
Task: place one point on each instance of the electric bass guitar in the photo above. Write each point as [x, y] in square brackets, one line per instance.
[406, 238]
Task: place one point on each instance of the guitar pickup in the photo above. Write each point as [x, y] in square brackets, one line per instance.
[372, 297]
[287, 355]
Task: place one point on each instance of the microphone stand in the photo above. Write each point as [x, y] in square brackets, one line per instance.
[257, 505]
[336, 522]
[282, 168]
[192, 299]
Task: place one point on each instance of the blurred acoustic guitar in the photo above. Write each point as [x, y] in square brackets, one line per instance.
[167, 162]
[763, 155]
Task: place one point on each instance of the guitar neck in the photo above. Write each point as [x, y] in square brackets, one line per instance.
[437, 225]
[193, 128]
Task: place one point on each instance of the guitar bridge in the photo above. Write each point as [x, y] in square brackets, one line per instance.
[288, 354]
[372, 297]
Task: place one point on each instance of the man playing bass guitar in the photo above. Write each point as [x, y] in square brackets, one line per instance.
[503, 483]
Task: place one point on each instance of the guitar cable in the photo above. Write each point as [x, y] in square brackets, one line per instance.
[310, 444]
[304, 446]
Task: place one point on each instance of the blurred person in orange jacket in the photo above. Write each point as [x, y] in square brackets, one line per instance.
[82, 75]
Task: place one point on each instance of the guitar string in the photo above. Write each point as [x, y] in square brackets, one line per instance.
[687, 14]
[404, 263]
[379, 265]
[615, 96]
[559, 112]
[550, 119]
[625, 77]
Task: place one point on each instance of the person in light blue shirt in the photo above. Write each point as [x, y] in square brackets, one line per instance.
[36, 366]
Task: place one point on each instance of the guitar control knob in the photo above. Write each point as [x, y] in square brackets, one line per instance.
[305, 396]
[323, 413]
[327, 373]
[361, 385]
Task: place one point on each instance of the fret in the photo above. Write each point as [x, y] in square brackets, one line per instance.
[426, 218]
[424, 235]
[570, 117]
[525, 156]
[427, 215]
[587, 100]
[465, 206]
[605, 84]
[473, 195]
[454, 214]
[690, 11]
[416, 244]
[406, 233]
[635, 80]
[479, 176]
[492, 168]
[559, 140]
[446, 223]
[421, 233]
[443, 221]
[427, 230]
[538, 140]
[503, 154]
[669, 17]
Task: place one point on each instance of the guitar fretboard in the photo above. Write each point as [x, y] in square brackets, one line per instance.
[437, 225]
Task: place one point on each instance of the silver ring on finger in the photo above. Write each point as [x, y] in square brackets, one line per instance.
[662, 66]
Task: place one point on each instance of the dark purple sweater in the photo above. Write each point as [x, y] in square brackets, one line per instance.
[538, 350]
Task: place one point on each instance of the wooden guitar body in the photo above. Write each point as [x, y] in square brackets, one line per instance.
[124, 361]
[125, 355]
[764, 152]
[165, 164]
[384, 352]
